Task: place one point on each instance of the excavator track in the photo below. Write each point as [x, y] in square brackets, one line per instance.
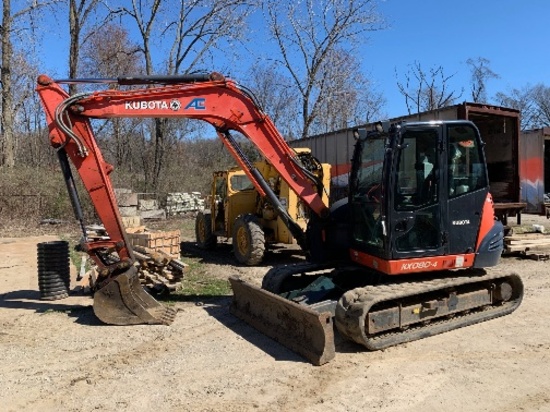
[389, 314]
[376, 316]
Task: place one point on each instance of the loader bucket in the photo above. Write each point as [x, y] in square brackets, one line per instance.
[123, 301]
[297, 327]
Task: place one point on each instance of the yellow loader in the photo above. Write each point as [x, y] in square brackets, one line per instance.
[236, 210]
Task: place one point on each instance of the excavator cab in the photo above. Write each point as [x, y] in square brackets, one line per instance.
[419, 190]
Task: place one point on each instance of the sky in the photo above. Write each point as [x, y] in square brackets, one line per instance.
[511, 34]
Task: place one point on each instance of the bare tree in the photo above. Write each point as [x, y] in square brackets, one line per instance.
[306, 32]
[30, 143]
[144, 14]
[532, 101]
[424, 91]
[522, 100]
[13, 24]
[345, 95]
[275, 94]
[7, 155]
[541, 97]
[202, 29]
[480, 74]
[109, 52]
[193, 30]
[79, 13]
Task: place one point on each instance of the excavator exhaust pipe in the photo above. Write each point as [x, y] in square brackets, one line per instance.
[123, 301]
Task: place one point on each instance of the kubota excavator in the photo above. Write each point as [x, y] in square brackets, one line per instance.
[402, 258]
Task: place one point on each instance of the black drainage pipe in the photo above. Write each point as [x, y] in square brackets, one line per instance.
[54, 276]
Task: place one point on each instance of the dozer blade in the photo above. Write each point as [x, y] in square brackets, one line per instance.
[123, 301]
[297, 327]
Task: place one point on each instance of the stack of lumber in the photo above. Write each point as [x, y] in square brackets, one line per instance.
[159, 273]
[160, 270]
[532, 244]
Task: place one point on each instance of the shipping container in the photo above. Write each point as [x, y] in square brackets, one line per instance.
[534, 158]
[499, 128]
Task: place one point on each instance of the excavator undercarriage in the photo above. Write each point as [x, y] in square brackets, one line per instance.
[387, 312]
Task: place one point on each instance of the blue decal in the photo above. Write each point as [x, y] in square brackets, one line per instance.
[197, 103]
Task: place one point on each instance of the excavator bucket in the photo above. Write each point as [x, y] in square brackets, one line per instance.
[297, 327]
[123, 301]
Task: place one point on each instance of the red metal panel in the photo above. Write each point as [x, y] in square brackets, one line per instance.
[531, 169]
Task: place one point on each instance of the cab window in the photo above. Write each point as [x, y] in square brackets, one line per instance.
[465, 167]
[240, 182]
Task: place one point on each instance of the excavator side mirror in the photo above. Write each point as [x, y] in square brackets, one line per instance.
[379, 129]
[360, 134]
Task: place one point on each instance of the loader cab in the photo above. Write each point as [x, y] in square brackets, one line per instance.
[232, 194]
[418, 189]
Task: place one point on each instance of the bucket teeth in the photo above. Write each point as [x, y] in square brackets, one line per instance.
[167, 316]
[123, 301]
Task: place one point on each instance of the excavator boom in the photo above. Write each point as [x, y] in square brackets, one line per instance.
[119, 298]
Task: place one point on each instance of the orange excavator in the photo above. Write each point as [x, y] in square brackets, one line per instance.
[406, 255]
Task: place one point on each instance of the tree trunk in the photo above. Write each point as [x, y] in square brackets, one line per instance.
[74, 31]
[7, 139]
[159, 152]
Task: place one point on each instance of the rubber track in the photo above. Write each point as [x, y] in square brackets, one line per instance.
[352, 309]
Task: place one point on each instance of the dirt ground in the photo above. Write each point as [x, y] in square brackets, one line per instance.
[57, 357]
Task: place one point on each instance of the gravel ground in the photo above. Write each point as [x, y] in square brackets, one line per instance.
[56, 356]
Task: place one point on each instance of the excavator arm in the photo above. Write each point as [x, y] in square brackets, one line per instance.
[214, 99]
[301, 318]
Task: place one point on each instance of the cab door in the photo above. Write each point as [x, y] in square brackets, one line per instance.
[467, 186]
[417, 202]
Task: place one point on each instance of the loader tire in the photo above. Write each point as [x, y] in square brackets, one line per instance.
[203, 231]
[248, 240]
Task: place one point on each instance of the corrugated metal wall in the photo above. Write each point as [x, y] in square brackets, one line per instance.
[499, 128]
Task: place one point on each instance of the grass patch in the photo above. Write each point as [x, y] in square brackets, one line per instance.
[202, 286]
[53, 311]
[197, 282]
[187, 226]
